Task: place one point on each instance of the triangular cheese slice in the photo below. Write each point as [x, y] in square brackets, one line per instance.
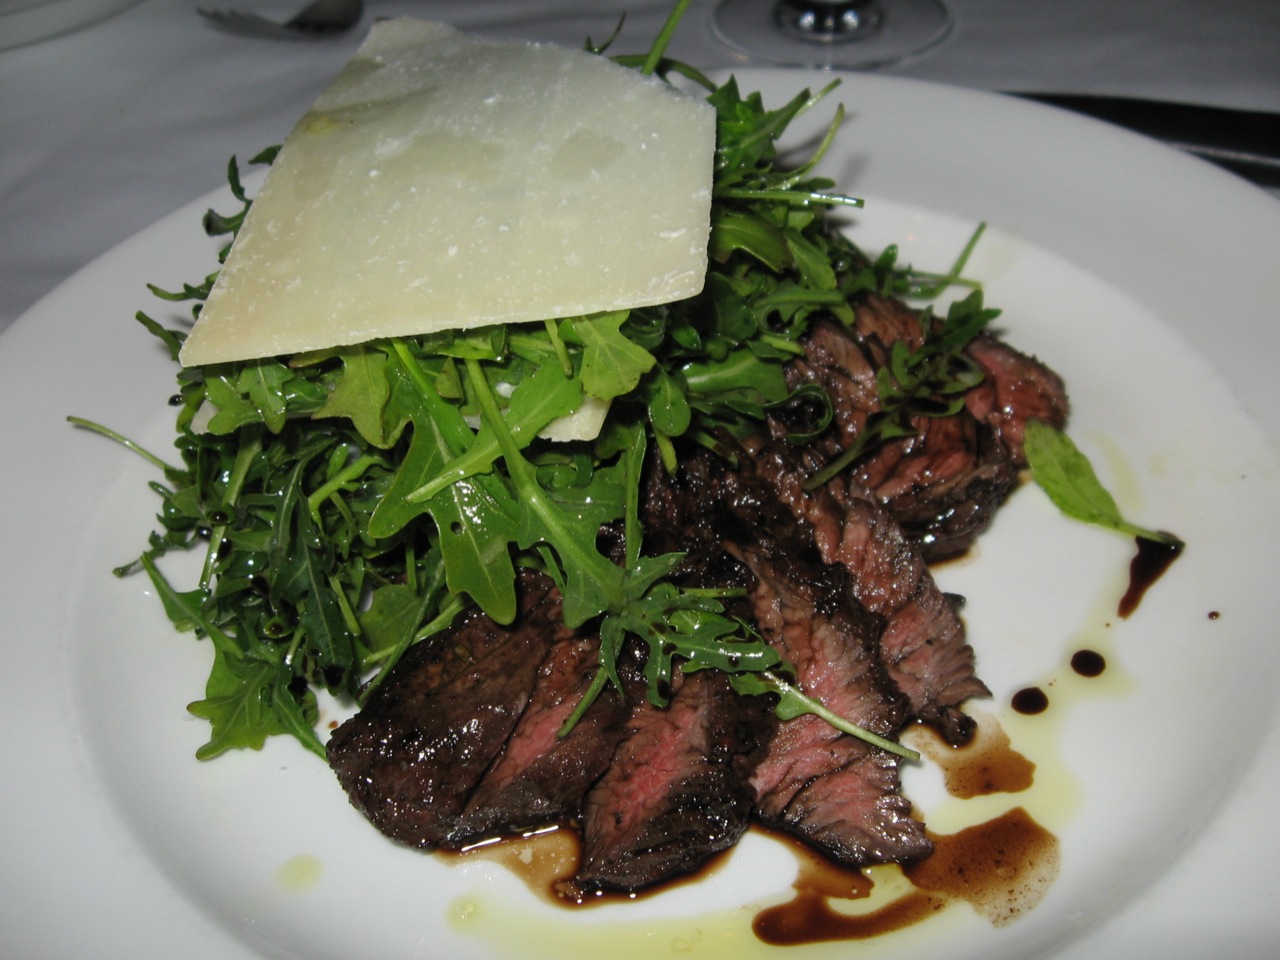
[450, 181]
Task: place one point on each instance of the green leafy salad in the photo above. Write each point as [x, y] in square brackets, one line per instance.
[352, 501]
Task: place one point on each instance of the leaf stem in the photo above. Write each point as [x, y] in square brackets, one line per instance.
[660, 44]
[557, 344]
[598, 683]
[124, 442]
[819, 710]
[245, 455]
[952, 277]
[351, 471]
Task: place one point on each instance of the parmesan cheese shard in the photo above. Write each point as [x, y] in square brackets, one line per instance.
[450, 181]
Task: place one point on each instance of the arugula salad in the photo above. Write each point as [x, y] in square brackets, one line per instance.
[351, 502]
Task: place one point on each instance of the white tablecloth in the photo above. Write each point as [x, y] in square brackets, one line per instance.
[110, 127]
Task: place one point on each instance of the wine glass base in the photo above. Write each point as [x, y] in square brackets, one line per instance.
[899, 29]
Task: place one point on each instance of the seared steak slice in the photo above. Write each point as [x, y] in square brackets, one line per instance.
[923, 646]
[1017, 388]
[412, 756]
[885, 320]
[835, 360]
[832, 790]
[944, 483]
[676, 792]
[540, 777]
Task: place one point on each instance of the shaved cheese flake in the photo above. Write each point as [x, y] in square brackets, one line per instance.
[447, 181]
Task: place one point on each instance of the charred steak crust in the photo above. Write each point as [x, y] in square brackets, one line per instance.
[540, 778]
[413, 755]
[923, 647]
[944, 483]
[677, 791]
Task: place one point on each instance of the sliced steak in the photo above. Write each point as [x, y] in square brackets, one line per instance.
[943, 485]
[1017, 388]
[923, 646]
[834, 791]
[412, 756]
[883, 321]
[836, 361]
[945, 482]
[676, 792]
[541, 778]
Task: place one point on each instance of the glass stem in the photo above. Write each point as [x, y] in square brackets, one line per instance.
[828, 21]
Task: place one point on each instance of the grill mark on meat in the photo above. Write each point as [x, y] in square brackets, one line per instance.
[412, 756]
[835, 791]
[540, 777]
[676, 792]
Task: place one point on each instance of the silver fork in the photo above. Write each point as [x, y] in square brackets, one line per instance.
[320, 18]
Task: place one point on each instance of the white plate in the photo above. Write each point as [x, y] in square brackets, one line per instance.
[28, 21]
[1147, 278]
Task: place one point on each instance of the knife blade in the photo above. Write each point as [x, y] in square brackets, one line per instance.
[1246, 142]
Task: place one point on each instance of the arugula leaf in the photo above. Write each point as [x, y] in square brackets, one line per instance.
[545, 396]
[1068, 478]
[611, 364]
[476, 518]
[233, 410]
[792, 703]
[263, 382]
[238, 705]
[734, 232]
[361, 394]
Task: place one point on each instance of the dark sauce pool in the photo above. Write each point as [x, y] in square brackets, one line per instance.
[1000, 867]
[1149, 564]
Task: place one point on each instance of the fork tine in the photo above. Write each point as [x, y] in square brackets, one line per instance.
[327, 16]
[245, 24]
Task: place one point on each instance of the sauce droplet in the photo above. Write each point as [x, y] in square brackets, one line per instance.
[1030, 701]
[1148, 565]
[1214, 614]
[1088, 663]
